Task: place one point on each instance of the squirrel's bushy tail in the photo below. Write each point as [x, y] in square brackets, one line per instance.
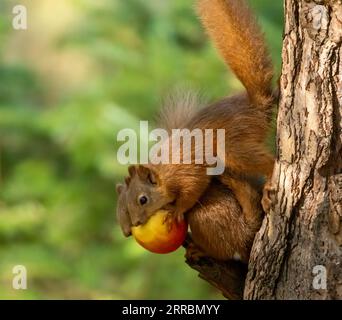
[237, 36]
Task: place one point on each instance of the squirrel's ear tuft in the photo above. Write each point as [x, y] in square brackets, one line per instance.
[127, 181]
[132, 170]
[143, 172]
[148, 174]
[119, 188]
[153, 177]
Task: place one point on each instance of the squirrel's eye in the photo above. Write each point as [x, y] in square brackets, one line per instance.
[143, 200]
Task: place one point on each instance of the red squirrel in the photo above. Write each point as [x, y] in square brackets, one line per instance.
[224, 212]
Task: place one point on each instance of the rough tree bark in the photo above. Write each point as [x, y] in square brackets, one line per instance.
[303, 227]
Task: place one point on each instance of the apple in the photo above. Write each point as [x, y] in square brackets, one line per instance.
[158, 236]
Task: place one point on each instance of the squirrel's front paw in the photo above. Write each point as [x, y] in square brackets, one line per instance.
[168, 220]
[176, 214]
[268, 196]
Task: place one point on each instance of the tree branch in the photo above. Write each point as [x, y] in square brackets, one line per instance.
[227, 276]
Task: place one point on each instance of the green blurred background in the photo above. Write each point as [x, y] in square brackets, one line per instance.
[82, 71]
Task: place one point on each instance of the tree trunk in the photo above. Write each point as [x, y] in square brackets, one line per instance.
[298, 247]
[297, 254]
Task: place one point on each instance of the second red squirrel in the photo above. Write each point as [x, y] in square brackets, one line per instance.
[224, 212]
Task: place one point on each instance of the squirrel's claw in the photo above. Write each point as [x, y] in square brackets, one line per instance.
[168, 220]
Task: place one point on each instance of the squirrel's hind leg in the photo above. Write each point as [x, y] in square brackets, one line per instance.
[248, 197]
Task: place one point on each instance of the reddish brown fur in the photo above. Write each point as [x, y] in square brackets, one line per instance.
[245, 119]
[237, 36]
[218, 226]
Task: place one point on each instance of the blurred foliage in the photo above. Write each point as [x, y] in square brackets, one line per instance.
[82, 71]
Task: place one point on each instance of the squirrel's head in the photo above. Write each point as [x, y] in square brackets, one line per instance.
[145, 193]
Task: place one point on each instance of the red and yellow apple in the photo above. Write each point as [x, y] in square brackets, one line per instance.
[159, 236]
